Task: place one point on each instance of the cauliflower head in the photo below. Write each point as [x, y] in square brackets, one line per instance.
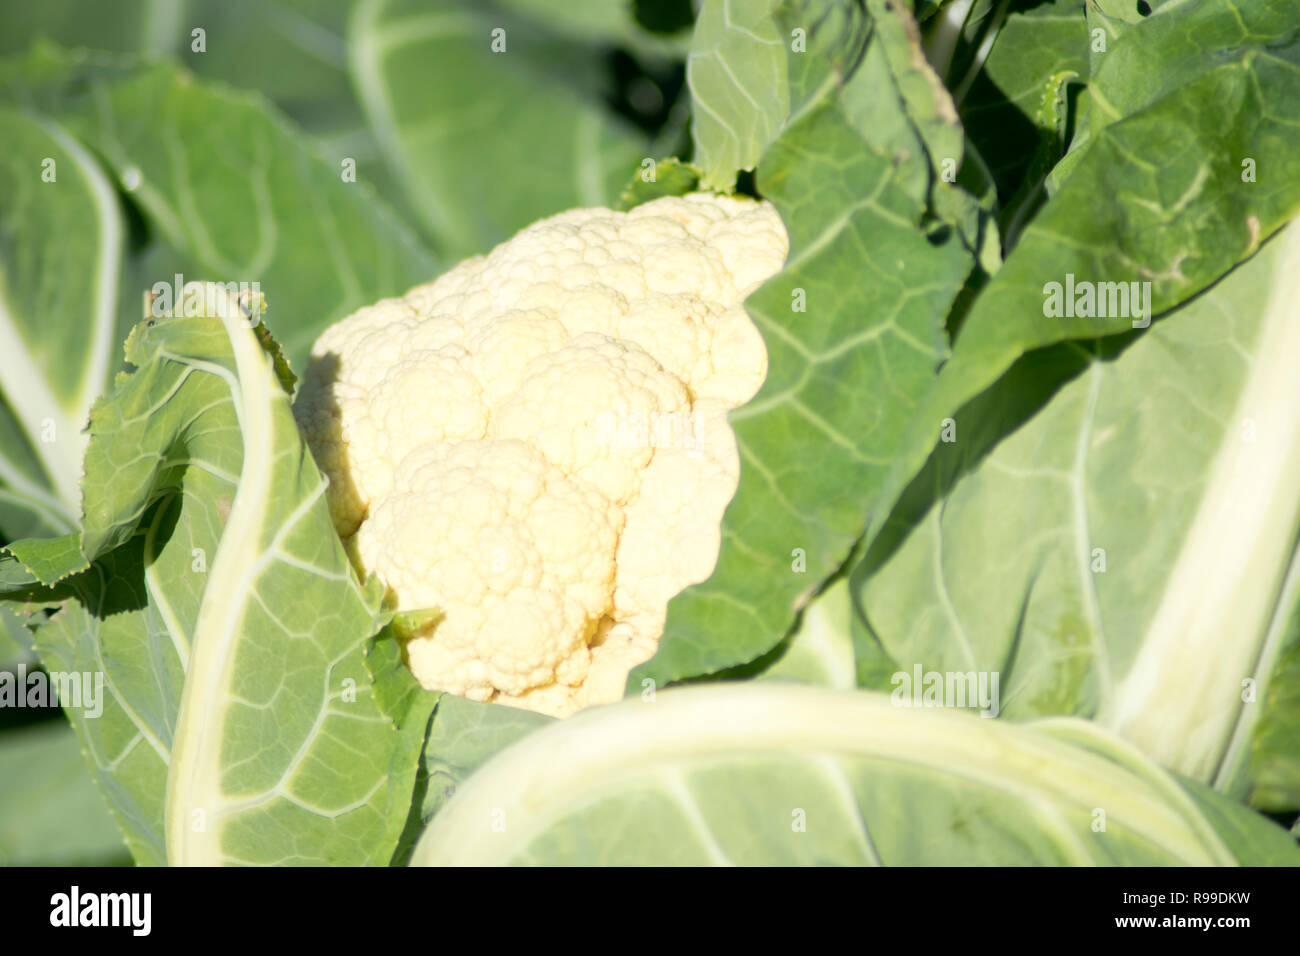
[536, 443]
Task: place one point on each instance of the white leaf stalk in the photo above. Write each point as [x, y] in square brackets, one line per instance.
[987, 40]
[632, 745]
[195, 798]
[941, 41]
[1219, 625]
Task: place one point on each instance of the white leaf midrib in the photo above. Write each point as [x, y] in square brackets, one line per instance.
[1215, 614]
[194, 781]
[584, 759]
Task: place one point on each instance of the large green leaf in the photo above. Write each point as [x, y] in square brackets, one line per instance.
[1129, 550]
[757, 67]
[921, 119]
[1134, 209]
[240, 724]
[1205, 36]
[844, 375]
[770, 773]
[61, 247]
[457, 121]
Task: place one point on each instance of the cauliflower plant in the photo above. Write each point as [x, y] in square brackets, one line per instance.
[536, 443]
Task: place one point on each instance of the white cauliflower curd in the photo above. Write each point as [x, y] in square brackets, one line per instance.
[536, 443]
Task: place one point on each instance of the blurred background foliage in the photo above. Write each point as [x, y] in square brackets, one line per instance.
[582, 92]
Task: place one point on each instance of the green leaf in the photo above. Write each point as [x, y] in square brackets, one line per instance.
[269, 212]
[45, 561]
[739, 92]
[50, 811]
[293, 52]
[409, 706]
[240, 723]
[924, 121]
[1134, 210]
[772, 774]
[1246, 45]
[1274, 769]
[929, 107]
[817, 441]
[59, 272]
[234, 194]
[672, 177]
[463, 736]
[69, 287]
[109, 627]
[756, 68]
[1251, 836]
[1114, 528]
[820, 649]
[15, 639]
[290, 51]
[457, 120]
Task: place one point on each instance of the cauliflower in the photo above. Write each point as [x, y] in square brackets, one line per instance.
[537, 444]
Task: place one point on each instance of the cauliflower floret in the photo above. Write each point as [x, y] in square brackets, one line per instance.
[517, 554]
[569, 398]
[672, 533]
[504, 346]
[536, 443]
